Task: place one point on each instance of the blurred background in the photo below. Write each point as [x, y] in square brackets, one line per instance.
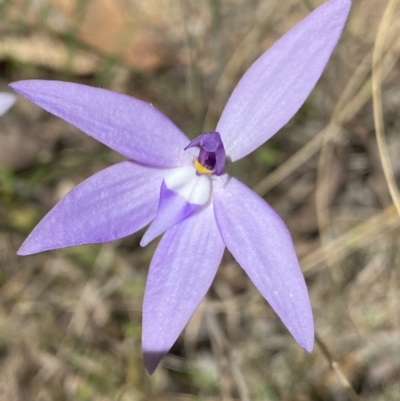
[70, 320]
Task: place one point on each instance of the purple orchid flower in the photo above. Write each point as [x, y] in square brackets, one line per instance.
[180, 187]
[6, 101]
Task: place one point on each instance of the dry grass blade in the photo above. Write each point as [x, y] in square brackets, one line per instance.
[359, 236]
[293, 162]
[379, 50]
[322, 201]
[342, 114]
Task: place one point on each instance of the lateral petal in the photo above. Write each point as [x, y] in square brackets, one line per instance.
[277, 84]
[134, 128]
[260, 242]
[111, 204]
[181, 272]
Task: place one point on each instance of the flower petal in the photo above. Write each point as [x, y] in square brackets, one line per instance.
[182, 270]
[260, 242]
[278, 83]
[111, 204]
[130, 126]
[6, 101]
[182, 193]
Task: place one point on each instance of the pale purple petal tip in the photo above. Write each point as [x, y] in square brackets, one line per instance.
[181, 272]
[6, 101]
[152, 360]
[258, 239]
[111, 204]
[134, 128]
[277, 84]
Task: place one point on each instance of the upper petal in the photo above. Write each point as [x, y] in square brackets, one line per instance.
[6, 101]
[278, 83]
[130, 126]
[182, 270]
[260, 242]
[111, 204]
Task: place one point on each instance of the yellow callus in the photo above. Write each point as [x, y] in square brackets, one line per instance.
[200, 168]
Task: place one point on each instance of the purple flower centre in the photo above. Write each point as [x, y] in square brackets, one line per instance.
[211, 159]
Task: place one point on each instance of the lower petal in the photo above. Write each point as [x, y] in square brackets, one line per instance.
[260, 242]
[111, 204]
[181, 272]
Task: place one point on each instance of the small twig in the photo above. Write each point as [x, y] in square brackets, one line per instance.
[334, 365]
